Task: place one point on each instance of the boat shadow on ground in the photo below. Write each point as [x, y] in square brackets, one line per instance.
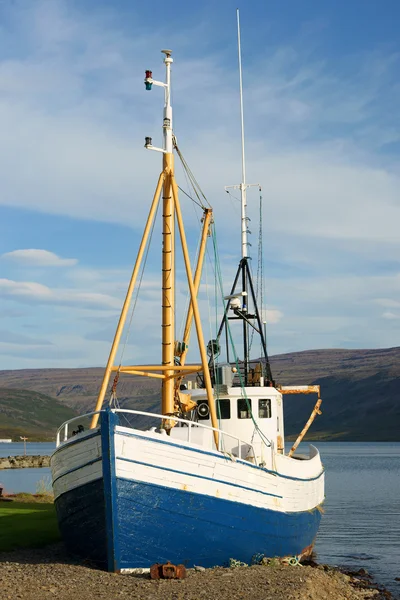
[53, 554]
[29, 535]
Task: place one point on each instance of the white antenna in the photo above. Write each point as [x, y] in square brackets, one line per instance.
[242, 186]
[241, 109]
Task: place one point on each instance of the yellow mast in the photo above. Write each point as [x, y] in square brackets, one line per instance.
[168, 287]
[207, 219]
[168, 371]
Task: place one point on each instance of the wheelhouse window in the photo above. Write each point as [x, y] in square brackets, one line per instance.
[224, 408]
[244, 408]
[264, 408]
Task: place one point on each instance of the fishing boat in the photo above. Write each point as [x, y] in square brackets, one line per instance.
[207, 479]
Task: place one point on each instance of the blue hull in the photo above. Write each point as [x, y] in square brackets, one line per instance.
[124, 524]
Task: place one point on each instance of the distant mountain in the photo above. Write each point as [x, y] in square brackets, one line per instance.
[27, 413]
[360, 390]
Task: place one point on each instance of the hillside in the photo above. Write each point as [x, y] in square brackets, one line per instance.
[77, 388]
[360, 391]
[28, 413]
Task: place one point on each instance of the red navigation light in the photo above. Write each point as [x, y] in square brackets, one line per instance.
[148, 82]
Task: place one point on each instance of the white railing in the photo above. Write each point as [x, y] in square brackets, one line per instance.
[65, 426]
[196, 424]
[64, 429]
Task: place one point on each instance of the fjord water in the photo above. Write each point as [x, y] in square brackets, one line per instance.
[361, 524]
[25, 480]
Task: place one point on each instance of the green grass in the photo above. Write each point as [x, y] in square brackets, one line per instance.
[27, 525]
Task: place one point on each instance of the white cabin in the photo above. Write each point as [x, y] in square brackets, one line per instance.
[262, 427]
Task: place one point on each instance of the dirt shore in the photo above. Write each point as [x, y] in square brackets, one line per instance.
[49, 573]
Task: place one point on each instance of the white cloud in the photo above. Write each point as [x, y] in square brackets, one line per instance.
[32, 292]
[390, 315]
[38, 258]
[271, 316]
[76, 148]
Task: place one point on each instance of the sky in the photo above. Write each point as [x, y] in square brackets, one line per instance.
[322, 120]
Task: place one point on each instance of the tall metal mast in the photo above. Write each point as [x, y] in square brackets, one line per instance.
[243, 184]
[240, 307]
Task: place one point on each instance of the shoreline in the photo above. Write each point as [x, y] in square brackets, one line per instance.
[36, 542]
[24, 461]
[52, 572]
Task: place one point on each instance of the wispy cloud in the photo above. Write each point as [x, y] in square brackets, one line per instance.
[10, 337]
[390, 315]
[32, 292]
[388, 302]
[75, 143]
[271, 316]
[38, 258]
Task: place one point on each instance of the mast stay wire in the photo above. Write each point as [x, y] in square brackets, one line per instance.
[260, 260]
[232, 196]
[190, 197]
[194, 204]
[192, 182]
[196, 187]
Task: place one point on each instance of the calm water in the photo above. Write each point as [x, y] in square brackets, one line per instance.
[25, 480]
[361, 525]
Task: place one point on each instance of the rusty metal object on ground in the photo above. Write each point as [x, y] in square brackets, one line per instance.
[307, 552]
[167, 571]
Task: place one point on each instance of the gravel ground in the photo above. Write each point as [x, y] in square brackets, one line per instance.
[49, 573]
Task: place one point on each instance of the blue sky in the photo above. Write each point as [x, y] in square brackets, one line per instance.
[321, 91]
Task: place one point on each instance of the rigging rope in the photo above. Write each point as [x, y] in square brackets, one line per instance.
[190, 197]
[196, 187]
[190, 184]
[259, 276]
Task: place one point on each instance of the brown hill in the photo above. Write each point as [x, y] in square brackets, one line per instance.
[28, 413]
[360, 390]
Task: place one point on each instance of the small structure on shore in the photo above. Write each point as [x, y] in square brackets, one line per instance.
[22, 437]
